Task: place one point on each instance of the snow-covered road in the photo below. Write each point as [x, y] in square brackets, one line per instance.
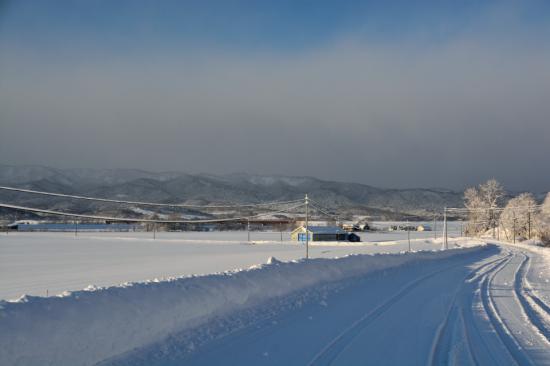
[488, 307]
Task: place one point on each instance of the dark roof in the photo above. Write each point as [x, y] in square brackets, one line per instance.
[326, 230]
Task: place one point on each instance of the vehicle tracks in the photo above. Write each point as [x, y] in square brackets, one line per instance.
[339, 344]
[443, 340]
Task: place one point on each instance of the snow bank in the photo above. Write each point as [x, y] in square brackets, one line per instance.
[85, 327]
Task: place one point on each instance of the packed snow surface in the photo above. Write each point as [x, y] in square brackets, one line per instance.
[479, 307]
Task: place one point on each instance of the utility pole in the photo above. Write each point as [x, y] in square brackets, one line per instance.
[307, 227]
[493, 222]
[445, 244]
[514, 229]
[409, 235]
[248, 229]
[529, 218]
[435, 227]
[281, 229]
[154, 230]
[15, 217]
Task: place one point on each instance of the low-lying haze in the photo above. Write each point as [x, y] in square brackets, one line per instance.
[379, 99]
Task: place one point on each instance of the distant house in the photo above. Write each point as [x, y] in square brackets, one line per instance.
[322, 233]
[349, 227]
[355, 227]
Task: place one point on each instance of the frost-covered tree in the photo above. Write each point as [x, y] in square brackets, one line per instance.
[492, 193]
[544, 230]
[545, 208]
[481, 203]
[474, 203]
[520, 217]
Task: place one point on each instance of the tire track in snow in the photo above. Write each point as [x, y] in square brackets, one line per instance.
[338, 344]
[480, 272]
[529, 308]
[531, 292]
[472, 330]
[443, 339]
[468, 339]
[504, 334]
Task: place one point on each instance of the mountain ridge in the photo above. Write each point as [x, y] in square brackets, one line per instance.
[202, 188]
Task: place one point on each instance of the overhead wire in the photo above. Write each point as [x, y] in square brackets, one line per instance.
[496, 209]
[139, 203]
[130, 219]
[323, 211]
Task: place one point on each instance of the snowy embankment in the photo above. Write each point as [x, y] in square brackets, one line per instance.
[85, 327]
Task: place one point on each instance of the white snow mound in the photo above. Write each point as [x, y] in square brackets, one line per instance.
[85, 327]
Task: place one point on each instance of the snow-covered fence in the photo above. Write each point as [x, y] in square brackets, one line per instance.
[85, 327]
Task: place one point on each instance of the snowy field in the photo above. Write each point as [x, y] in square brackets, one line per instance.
[486, 304]
[41, 264]
[474, 304]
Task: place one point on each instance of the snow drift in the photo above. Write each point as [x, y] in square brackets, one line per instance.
[85, 327]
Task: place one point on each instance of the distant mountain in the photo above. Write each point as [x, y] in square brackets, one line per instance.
[175, 187]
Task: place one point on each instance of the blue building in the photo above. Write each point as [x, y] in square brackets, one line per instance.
[323, 233]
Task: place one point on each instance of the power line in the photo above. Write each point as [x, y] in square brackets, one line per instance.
[129, 219]
[322, 208]
[323, 211]
[484, 209]
[14, 189]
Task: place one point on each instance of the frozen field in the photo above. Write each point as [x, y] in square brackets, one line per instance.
[472, 305]
[50, 263]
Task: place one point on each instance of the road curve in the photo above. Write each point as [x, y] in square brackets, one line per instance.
[486, 308]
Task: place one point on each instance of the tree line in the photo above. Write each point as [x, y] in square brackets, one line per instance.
[518, 218]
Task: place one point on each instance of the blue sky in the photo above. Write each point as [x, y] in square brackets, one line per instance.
[281, 87]
[289, 26]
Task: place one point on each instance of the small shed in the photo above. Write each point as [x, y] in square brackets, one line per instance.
[320, 233]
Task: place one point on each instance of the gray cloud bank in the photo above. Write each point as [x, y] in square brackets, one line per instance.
[439, 115]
